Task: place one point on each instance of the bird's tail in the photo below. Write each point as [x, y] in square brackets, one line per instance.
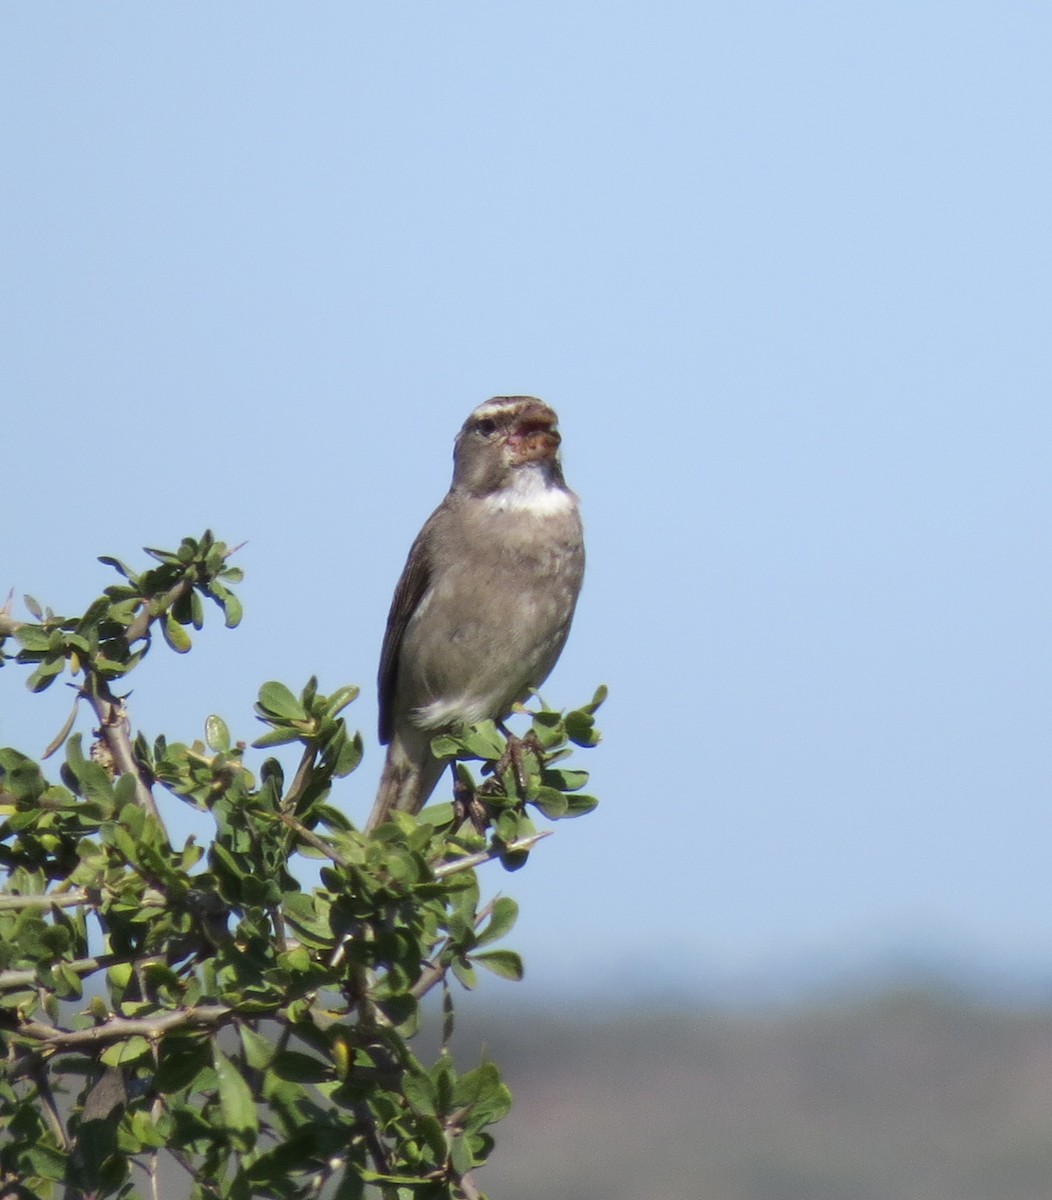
[409, 777]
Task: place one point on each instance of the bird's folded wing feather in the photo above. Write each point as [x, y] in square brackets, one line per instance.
[416, 576]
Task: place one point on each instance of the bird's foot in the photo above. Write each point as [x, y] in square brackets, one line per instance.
[517, 752]
[468, 805]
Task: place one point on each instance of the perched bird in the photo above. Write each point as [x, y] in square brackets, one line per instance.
[483, 607]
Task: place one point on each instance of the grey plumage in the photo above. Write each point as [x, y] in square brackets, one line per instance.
[483, 607]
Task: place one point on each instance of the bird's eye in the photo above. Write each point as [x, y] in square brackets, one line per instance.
[486, 426]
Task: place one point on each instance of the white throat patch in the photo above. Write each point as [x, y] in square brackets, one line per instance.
[530, 491]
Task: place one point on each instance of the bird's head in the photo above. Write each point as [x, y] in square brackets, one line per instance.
[503, 436]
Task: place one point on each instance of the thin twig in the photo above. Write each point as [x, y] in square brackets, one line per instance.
[115, 731]
[7, 623]
[312, 839]
[117, 1028]
[151, 898]
[39, 1077]
[377, 1150]
[302, 777]
[484, 856]
[467, 1185]
[10, 980]
[48, 900]
[153, 1165]
[63, 733]
[434, 973]
[153, 608]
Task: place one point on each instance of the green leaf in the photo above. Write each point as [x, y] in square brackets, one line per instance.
[551, 802]
[276, 699]
[110, 666]
[580, 804]
[505, 963]
[258, 1050]
[197, 610]
[175, 635]
[235, 1102]
[182, 1061]
[125, 1052]
[45, 674]
[548, 727]
[420, 1092]
[68, 984]
[118, 566]
[580, 728]
[505, 914]
[349, 756]
[484, 1094]
[217, 735]
[514, 860]
[301, 1068]
[32, 637]
[463, 971]
[484, 740]
[563, 779]
[276, 737]
[232, 610]
[343, 696]
[47, 1162]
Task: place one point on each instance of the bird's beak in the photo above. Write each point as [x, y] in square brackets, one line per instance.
[534, 436]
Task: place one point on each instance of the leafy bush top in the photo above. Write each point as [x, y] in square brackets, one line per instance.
[198, 1004]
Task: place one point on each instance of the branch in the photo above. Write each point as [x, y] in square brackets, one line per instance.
[140, 627]
[468, 1188]
[114, 727]
[153, 608]
[151, 898]
[7, 623]
[312, 839]
[115, 731]
[12, 980]
[48, 900]
[116, 1029]
[303, 774]
[483, 856]
[435, 973]
[47, 1097]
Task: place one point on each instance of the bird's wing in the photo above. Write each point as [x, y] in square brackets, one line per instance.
[416, 575]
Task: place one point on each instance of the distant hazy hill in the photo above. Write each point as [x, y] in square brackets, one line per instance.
[905, 1097]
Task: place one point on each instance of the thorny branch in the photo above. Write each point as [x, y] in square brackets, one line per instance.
[116, 1029]
[115, 731]
[435, 972]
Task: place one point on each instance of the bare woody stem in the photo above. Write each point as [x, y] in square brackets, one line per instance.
[72, 899]
[109, 710]
[115, 731]
[46, 900]
[301, 779]
[152, 609]
[13, 979]
[114, 727]
[469, 861]
[435, 973]
[116, 1029]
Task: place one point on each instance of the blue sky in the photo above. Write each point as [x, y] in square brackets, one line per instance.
[784, 271]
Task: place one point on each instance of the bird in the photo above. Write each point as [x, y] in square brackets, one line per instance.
[484, 603]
